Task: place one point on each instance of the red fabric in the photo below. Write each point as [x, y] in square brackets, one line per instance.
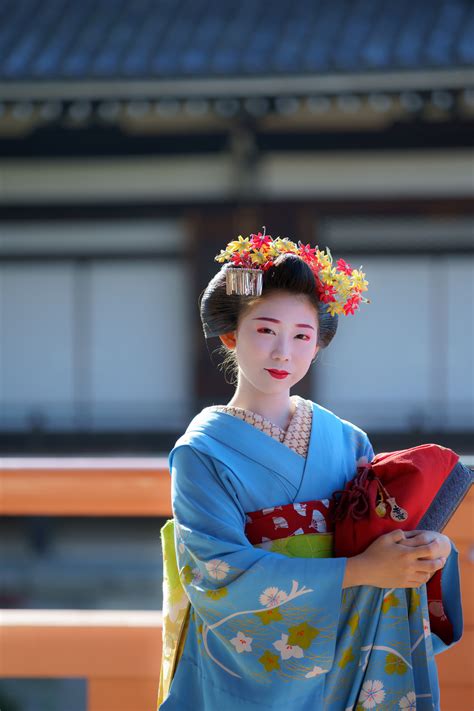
[288, 520]
[411, 476]
[439, 621]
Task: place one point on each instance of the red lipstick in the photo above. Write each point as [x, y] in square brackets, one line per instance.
[279, 374]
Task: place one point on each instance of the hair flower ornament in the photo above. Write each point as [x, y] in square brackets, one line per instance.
[340, 286]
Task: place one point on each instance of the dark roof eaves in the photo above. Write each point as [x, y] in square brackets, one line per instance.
[93, 89]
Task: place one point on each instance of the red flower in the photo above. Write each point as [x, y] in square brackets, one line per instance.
[259, 239]
[242, 260]
[352, 304]
[267, 265]
[307, 253]
[327, 293]
[344, 267]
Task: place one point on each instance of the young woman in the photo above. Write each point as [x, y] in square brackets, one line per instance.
[265, 621]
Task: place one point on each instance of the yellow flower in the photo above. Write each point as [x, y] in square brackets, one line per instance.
[187, 574]
[272, 250]
[342, 281]
[223, 256]
[323, 258]
[414, 600]
[328, 274]
[239, 245]
[394, 665]
[283, 244]
[390, 601]
[271, 615]
[347, 657]
[354, 622]
[358, 280]
[258, 258]
[302, 635]
[334, 308]
[269, 661]
[216, 594]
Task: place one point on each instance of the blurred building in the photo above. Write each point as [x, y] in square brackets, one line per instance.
[136, 139]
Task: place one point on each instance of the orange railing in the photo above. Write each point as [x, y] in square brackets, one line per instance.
[119, 652]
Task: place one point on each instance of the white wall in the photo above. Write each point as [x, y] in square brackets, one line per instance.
[102, 343]
[406, 359]
[36, 341]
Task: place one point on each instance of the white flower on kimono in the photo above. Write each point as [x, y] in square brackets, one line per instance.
[272, 597]
[408, 702]
[242, 643]
[372, 694]
[217, 568]
[287, 650]
[315, 671]
[197, 576]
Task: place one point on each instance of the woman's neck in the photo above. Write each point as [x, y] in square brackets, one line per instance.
[278, 409]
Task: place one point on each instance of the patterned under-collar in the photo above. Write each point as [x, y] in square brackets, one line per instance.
[296, 437]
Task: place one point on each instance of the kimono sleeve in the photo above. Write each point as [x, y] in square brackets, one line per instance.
[258, 610]
[364, 449]
[444, 604]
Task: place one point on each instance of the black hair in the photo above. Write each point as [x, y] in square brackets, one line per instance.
[220, 312]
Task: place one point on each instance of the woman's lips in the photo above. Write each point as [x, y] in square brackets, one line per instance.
[279, 374]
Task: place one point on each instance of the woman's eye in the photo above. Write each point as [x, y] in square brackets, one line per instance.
[303, 336]
[265, 329]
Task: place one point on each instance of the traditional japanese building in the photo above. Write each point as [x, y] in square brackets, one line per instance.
[136, 139]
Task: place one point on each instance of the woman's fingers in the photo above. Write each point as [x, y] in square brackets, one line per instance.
[429, 550]
[413, 534]
[429, 566]
[394, 536]
[418, 538]
[420, 577]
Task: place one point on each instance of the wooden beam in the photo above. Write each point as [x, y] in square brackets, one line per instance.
[89, 487]
[117, 652]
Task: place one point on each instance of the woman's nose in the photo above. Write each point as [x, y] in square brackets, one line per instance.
[281, 351]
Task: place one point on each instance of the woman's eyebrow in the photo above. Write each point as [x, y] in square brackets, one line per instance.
[275, 320]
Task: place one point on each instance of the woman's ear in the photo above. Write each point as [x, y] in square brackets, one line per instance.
[229, 340]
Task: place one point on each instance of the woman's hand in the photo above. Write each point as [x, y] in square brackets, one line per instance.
[400, 559]
[421, 538]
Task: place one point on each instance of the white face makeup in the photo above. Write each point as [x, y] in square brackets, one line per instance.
[276, 336]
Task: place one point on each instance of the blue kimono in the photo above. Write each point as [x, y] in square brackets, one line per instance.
[268, 631]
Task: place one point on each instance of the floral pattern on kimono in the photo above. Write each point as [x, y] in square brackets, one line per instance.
[266, 628]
